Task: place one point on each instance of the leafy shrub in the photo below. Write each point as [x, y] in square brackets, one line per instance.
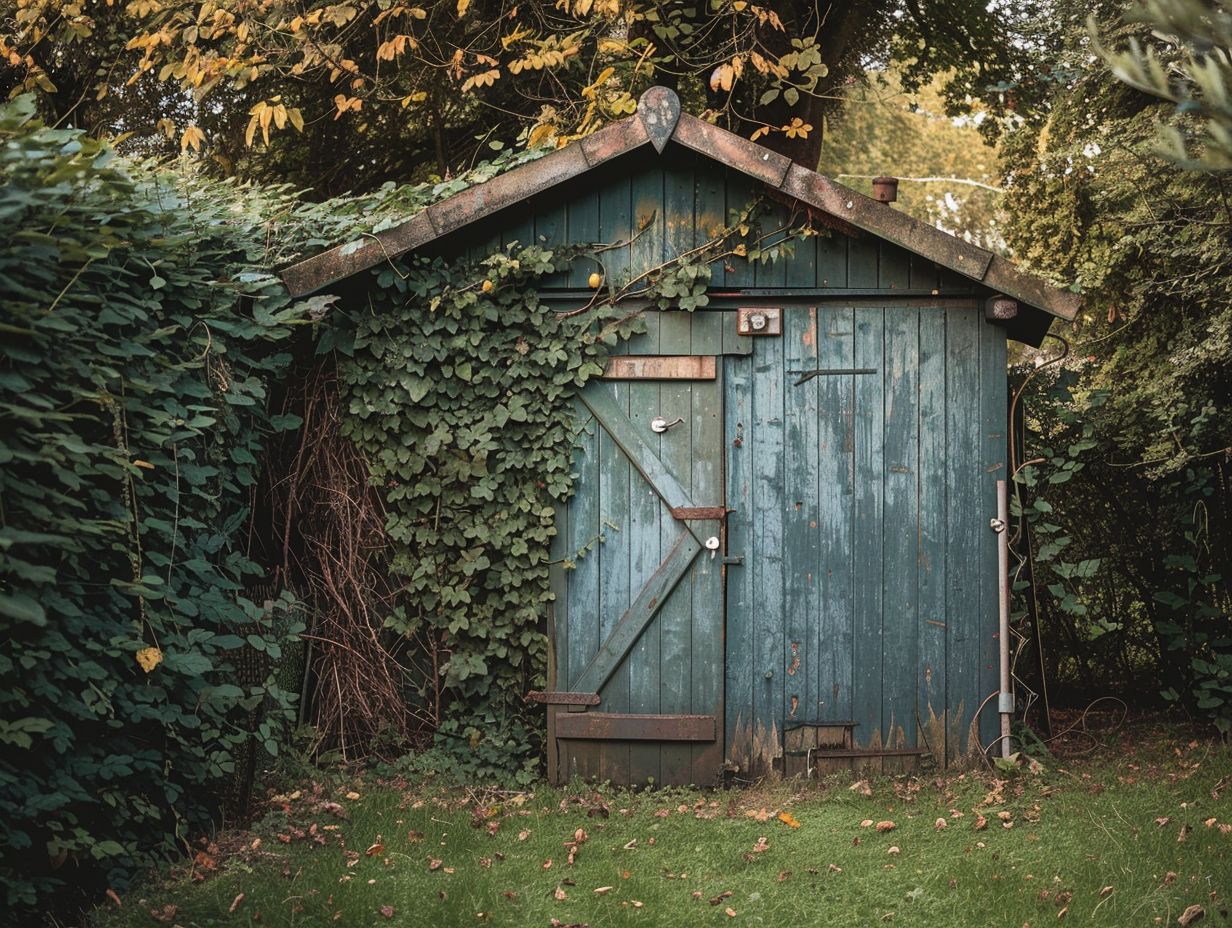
[139, 341]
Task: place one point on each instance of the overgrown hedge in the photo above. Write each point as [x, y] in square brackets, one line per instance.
[139, 338]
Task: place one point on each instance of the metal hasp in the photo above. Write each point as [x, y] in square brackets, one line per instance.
[759, 320]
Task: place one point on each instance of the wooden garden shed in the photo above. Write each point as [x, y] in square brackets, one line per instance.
[795, 484]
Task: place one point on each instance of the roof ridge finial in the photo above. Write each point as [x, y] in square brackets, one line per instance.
[659, 110]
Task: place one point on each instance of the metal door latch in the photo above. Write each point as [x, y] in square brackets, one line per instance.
[996, 525]
[659, 425]
[712, 545]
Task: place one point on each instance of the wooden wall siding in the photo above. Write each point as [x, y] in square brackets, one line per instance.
[686, 200]
[676, 664]
[868, 590]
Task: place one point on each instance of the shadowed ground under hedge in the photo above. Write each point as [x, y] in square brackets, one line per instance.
[1133, 833]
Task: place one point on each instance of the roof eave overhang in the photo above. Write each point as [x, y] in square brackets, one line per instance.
[658, 121]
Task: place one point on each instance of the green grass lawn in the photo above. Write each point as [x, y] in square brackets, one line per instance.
[1131, 836]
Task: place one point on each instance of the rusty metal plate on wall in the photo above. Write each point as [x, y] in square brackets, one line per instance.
[661, 367]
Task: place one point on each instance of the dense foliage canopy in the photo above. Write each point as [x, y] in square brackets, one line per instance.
[277, 89]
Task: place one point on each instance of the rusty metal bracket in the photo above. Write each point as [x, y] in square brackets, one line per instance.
[700, 513]
[562, 698]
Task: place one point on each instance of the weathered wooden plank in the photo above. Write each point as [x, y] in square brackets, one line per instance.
[582, 225]
[678, 202]
[615, 595]
[801, 529]
[836, 495]
[615, 226]
[733, 341]
[774, 231]
[646, 511]
[709, 212]
[930, 557]
[552, 230]
[645, 342]
[706, 639]
[994, 413]
[557, 698]
[737, 271]
[831, 259]
[738, 688]
[863, 258]
[660, 367]
[583, 578]
[644, 607]
[637, 447]
[558, 633]
[676, 616]
[900, 566]
[730, 149]
[867, 663]
[893, 268]
[963, 528]
[706, 332]
[648, 224]
[769, 510]
[610, 726]
[800, 270]
[925, 275]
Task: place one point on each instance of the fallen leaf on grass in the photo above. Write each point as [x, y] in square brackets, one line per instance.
[1106, 891]
[547, 864]
[166, 914]
[894, 850]
[631, 845]
[387, 911]
[235, 904]
[760, 815]
[637, 903]
[867, 823]
[980, 823]
[941, 823]
[729, 912]
[1163, 820]
[377, 847]
[523, 835]
[834, 868]
[789, 820]
[603, 890]
[1211, 822]
[1004, 816]
[886, 826]
[1191, 915]
[435, 863]
[114, 897]
[861, 787]
[761, 846]
[1063, 913]
[1169, 877]
[726, 894]
[559, 894]
[352, 796]
[1184, 833]
[783, 874]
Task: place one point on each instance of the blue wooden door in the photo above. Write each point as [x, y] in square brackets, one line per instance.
[638, 611]
[863, 449]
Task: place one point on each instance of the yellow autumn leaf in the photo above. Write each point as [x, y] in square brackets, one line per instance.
[789, 820]
[192, 138]
[463, 6]
[149, 658]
